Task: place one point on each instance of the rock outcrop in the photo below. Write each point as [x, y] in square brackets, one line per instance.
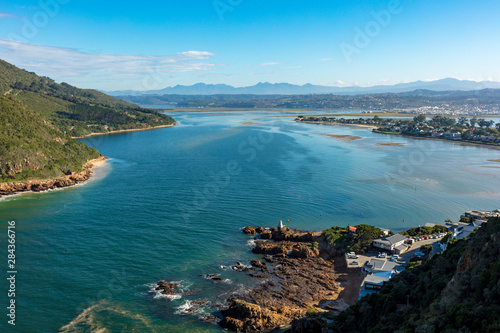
[167, 288]
[249, 230]
[297, 279]
[309, 325]
[48, 184]
[286, 248]
[247, 317]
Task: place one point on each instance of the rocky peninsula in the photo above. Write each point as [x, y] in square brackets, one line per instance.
[299, 275]
[48, 184]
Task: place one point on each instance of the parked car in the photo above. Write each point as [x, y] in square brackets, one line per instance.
[382, 255]
[353, 263]
[352, 255]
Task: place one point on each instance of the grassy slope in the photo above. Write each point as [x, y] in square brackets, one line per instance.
[75, 111]
[31, 147]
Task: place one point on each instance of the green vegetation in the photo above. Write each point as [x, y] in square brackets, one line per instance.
[311, 312]
[77, 112]
[339, 238]
[457, 291]
[39, 116]
[421, 231]
[31, 147]
[445, 239]
[314, 245]
[427, 248]
[470, 130]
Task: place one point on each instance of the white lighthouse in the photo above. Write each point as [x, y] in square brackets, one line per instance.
[280, 226]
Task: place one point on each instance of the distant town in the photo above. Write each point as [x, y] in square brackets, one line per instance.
[473, 130]
[451, 103]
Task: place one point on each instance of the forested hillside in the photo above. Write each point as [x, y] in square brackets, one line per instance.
[75, 111]
[31, 147]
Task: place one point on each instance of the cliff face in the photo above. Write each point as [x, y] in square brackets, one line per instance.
[47, 184]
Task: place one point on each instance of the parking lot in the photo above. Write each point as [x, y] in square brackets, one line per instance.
[404, 258]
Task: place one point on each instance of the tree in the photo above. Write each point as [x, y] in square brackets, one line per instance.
[427, 248]
[473, 121]
[420, 118]
[498, 126]
[481, 122]
[463, 121]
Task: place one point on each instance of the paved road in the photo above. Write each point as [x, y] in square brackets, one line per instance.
[405, 257]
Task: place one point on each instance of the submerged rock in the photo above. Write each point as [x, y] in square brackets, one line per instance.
[167, 288]
[212, 277]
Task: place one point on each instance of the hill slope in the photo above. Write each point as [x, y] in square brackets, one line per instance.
[31, 147]
[75, 111]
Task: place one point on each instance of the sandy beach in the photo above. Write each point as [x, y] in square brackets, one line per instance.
[343, 137]
[391, 144]
[248, 123]
[123, 131]
[96, 163]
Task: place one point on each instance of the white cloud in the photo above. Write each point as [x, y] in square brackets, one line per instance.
[64, 63]
[269, 64]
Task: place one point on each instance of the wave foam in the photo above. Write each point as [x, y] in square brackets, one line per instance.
[157, 294]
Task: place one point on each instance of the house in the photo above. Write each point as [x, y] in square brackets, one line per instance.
[390, 243]
[463, 231]
[377, 265]
[352, 230]
[385, 231]
[376, 281]
[473, 215]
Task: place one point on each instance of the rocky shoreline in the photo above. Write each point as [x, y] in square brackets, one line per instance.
[48, 184]
[299, 276]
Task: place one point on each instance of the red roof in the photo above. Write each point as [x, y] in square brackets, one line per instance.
[352, 229]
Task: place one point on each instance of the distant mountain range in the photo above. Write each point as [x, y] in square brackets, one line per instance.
[448, 84]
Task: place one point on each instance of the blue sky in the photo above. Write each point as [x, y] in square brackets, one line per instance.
[116, 45]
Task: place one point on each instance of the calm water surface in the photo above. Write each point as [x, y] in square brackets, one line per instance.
[170, 204]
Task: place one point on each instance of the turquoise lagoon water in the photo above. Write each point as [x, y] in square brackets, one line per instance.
[170, 204]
